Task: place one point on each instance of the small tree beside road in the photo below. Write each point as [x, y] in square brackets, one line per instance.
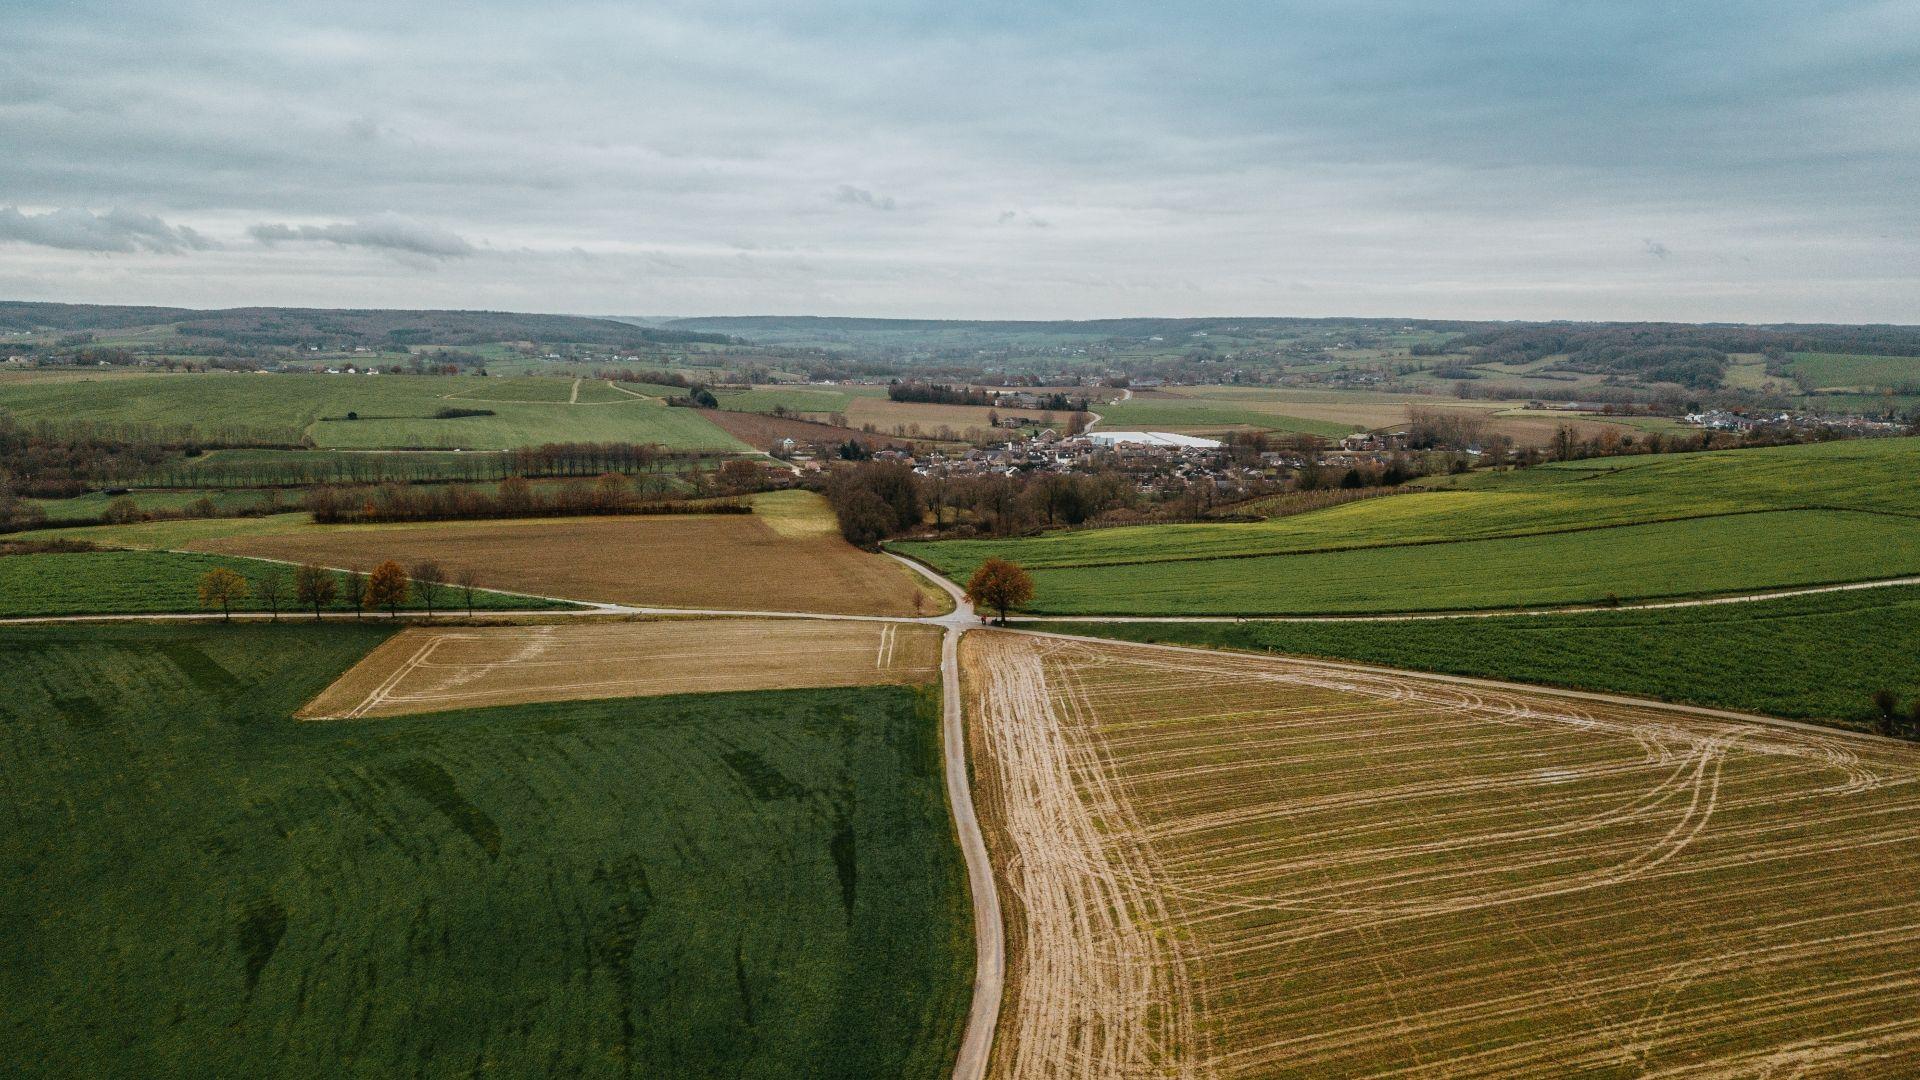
[222, 588]
[355, 584]
[314, 587]
[270, 587]
[387, 587]
[428, 579]
[468, 582]
[1000, 585]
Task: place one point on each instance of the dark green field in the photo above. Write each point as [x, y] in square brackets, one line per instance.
[753, 884]
[167, 582]
[1809, 657]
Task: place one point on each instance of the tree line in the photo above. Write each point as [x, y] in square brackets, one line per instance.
[610, 493]
[310, 587]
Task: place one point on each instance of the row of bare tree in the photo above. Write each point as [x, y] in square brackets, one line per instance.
[386, 588]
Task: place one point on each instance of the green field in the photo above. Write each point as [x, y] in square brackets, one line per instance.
[1807, 657]
[1649, 526]
[1845, 369]
[225, 501]
[751, 885]
[166, 582]
[1699, 557]
[394, 411]
[821, 400]
[1202, 415]
[166, 534]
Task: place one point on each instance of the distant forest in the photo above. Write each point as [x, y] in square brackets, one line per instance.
[372, 328]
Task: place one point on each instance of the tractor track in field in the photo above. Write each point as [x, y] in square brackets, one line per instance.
[1116, 911]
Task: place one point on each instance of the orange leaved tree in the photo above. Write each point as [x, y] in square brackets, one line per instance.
[1000, 585]
[387, 587]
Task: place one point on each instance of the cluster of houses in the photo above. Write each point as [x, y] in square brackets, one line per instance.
[1157, 452]
[1723, 420]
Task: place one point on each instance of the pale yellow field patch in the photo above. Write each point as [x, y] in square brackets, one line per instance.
[432, 669]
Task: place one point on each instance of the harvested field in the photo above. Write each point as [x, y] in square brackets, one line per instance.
[1214, 409]
[762, 431]
[428, 669]
[1242, 866]
[786, 556]
[920, 418]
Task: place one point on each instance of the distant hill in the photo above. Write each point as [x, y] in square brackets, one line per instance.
[267, 326]
[770, 327]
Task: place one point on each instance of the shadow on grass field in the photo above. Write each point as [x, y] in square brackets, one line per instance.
[750, 884]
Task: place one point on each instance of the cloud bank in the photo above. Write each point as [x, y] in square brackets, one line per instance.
[75, 229]
[388, 232]
[1418, 157]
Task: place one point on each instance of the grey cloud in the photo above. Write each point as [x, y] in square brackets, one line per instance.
[1501, 169]
[855, 196]
[388, 232]
[117, 230]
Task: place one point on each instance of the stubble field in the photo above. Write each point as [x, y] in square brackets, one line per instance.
[428, 669]
[1231, 866]
[786, 556]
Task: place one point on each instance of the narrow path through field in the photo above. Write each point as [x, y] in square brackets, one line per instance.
[1485, 613]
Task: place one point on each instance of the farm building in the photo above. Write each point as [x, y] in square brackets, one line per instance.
[1152, 438]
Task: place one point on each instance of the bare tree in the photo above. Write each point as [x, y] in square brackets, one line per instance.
[468, 581]
[428, 578]
[314, 586]
[270, 587]
[354, 584]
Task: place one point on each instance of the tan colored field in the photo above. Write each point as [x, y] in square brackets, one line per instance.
[1220, 865]
[786, 556]
[966, 421]
[1525, 428]
[431, 669]
[762, 431]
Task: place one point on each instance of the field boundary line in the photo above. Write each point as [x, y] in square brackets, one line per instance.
[1652, 704]
[1340, 549]
[1489, 613]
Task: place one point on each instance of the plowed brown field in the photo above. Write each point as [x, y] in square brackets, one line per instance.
[1240, 866]
[430, 669]
[786, 556]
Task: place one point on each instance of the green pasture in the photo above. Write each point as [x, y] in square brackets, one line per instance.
[391, 411]
[1817, 657]
[1834, 512]
[1200, 414]
[1849, 369]
[1694, 557]
[739, 885]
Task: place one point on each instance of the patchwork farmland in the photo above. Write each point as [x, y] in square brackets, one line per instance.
[1579, 532]
[1230, 866]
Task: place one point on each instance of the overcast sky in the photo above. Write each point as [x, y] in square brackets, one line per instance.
[1752, 160]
